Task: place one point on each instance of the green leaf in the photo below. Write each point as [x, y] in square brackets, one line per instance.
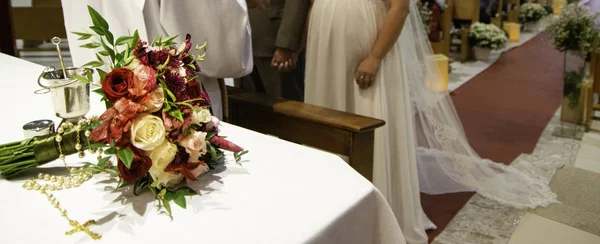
[103, 161]
[126, 156]
[212, 151]
[82, 35]
[89, 75]
[168, 208]
[167, 91]
[97, 19]
[99, 30]
[99, 91]
[110, 51]
[170, 195]
[186, 104]
[164, 65]
[80, 78]
[238, 155]
[176, 113]
[110, 38]
[123, 40]
[92, 125]
[169, 41]
[110, 151]
[210, 135]
[180, 200]
[97, 145]
[91, 45]
[103, 53]
[94, 64]
[102, 74]
[135, 39]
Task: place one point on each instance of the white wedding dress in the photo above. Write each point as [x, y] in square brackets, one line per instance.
[337, 42]
[422, 147]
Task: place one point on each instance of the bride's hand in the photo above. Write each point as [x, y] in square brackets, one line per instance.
[367, 72]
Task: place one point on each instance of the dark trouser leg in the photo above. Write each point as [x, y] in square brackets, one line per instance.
[292, 83]
[251, 82]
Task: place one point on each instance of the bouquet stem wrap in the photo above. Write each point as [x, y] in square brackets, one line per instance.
[17, 157]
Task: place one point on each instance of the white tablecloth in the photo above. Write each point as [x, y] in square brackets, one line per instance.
[282, 193]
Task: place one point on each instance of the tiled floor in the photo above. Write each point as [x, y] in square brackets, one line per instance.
[575, 220]
[534, 229]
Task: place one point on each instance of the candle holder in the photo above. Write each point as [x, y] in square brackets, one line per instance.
[70, 97]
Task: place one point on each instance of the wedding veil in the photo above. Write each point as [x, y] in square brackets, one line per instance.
[446, 161]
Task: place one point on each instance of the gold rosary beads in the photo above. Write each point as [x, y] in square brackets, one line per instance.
[57, 183]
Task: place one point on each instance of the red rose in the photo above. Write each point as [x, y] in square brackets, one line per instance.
[139, 167]
[115, 84]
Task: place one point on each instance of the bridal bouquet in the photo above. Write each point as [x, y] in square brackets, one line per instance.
[157, 130]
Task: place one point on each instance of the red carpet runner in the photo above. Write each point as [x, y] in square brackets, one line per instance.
[504, 110]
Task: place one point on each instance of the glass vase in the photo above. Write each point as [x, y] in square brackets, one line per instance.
[575, 71]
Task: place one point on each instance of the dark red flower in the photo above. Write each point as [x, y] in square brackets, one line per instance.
[177, 85]
[180, 164]
[116, 83]
[139, 167]
[225, 144]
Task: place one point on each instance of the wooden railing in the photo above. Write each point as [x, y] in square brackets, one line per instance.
[330, 130]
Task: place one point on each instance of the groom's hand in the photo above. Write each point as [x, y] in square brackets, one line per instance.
[257, 3]
[284, 60]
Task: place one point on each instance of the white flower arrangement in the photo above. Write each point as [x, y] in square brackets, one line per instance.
[488, 36]
[575, 29]
[532, 12]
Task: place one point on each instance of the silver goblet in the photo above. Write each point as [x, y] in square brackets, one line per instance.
[70, 97]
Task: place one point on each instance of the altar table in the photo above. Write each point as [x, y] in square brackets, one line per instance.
[281, 193]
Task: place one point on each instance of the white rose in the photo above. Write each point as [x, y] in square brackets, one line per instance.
[195, 145]
[161, 157]
[156, 101]
[147, 132]
[201, 115]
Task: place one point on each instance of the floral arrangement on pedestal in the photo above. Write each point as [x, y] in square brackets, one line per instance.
[532, 12]
[575, 33]
[156, 133]
[487, 37]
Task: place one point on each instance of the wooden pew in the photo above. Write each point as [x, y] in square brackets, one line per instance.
[466, 10]
[443, 46]
[498, 19]
[326, 129]
[592, 87]
[38, 23]
[512, 14]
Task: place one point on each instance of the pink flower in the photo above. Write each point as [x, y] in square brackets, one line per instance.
[195, 145]
[213, 124]
[200, 170]
[144, 81]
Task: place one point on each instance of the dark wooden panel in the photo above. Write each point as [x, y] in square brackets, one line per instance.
[7, 40]
[38, 23]
[264, 120]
